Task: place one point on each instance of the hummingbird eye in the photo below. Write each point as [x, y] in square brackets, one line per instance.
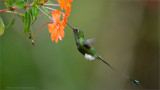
[77, 30]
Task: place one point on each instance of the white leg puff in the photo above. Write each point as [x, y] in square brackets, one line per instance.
[89, 57]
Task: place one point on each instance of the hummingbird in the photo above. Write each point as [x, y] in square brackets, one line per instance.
[85, 47]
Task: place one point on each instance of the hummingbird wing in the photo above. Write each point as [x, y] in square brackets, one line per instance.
[89, 49]
[91, 41]
[90, 53]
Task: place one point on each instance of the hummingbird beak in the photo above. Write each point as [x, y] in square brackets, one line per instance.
[70, 26]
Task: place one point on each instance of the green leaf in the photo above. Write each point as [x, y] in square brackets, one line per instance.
[11, 23]
[8, 4]
[35, 12]
[26, 1]
[30, 11]
[27, 21]
[13, 1]
[20, 4]
[45, 10]
[39, 2]
[2, 27]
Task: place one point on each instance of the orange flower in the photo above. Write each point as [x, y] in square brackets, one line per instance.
[65, 3]
[57, 28]
[68, 9]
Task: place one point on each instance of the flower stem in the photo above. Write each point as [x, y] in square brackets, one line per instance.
[42, 15]
[42, 27]
[45, 13]
[52, 4]
[51, 8]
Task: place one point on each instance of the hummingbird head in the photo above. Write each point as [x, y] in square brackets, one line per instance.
[79, 33]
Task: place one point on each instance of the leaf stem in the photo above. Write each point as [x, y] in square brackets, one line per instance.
[12, 12]
[14, 8]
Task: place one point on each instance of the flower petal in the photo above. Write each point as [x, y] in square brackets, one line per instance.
[61, 30]
[66, 14]
[68, 2]
[56, 15]
[51, 27]
[56, 39]
[54, 34]
[62, 33]
[62, 4]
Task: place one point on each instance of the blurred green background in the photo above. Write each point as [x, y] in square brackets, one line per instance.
[127, 36]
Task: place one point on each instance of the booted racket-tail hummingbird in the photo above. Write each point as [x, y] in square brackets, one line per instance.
[84, 46]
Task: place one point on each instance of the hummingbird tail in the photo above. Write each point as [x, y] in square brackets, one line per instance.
[135, 82]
